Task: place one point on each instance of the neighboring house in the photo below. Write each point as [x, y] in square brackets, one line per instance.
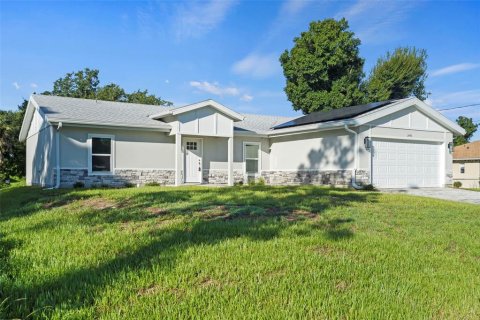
[466, 164]
[390, 144]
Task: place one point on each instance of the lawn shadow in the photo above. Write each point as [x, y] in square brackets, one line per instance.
[211, 216]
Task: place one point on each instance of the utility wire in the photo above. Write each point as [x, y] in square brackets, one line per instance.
[459, 107]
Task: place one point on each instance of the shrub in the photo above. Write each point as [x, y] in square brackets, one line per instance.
[369, 187]
[152, 184]
[128, 185]
[239, 183]
[457, 184]
[79, 184]
[261, 181]
[251, 181]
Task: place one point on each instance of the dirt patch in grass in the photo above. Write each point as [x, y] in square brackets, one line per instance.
[100, 203]
[342, 286]
[209, 282]
[51, 204]
[156, 212]
[296, 215]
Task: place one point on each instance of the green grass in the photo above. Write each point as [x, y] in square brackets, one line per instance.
[473, 189]
[242, 252]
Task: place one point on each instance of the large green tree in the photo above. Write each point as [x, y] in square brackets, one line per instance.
[12, 151]
[398, 75]
[323, 70]
[86, 84]
[470, 128]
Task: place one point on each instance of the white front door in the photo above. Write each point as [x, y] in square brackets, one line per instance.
[406, 164]
[193, 160]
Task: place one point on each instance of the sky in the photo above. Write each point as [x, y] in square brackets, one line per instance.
[227, 50]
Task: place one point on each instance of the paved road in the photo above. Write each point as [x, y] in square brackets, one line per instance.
[459, 195]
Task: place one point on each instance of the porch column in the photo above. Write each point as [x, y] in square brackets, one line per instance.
[178, 159]
[230, 161]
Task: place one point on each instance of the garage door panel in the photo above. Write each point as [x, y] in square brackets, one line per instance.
[401, 164]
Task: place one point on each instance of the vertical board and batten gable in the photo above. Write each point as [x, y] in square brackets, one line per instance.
[409, 118]
[205, 121]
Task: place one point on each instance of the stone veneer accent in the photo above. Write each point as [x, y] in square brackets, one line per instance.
[317, 177]
[68, 177]
[221, 176]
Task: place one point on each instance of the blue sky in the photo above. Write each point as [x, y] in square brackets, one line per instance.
[226, 50]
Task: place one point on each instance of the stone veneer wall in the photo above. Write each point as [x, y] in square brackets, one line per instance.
[221, 176]
[68, 177]
[317, 177]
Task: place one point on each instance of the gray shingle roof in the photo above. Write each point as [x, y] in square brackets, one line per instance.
[129, 114]
[259, 123]
[98, 111]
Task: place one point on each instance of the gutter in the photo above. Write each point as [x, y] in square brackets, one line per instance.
[355, 157]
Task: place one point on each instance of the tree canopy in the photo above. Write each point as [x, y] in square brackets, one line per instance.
[85, 84]
[470, 128]
[398, 75]
[323, 70]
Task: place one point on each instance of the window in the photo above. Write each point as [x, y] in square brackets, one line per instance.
[101, 154]
[462, 168]
[191, 145]
[251, 156]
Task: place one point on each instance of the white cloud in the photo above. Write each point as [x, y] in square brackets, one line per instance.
[33, 85]
[377, 21]
[454, 69]
[16, 85]
[246, 97]
[167, 81]
[215, 88]
[257, 65]
[453, 99]
[292, 7]
[198, 18]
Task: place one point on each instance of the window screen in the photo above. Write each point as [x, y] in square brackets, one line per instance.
[251, 154]
[101, 154]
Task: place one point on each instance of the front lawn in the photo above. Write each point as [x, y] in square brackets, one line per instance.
[241, 252]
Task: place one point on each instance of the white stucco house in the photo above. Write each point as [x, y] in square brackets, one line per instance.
[390, 144]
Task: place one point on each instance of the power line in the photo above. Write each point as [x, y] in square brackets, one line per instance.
[459, 107]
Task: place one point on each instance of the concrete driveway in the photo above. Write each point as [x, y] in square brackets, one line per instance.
[458, 195]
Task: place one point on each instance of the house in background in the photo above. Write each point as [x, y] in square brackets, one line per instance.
[391, 144]
[466, 164]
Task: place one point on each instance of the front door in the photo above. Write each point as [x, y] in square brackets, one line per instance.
[193, 160]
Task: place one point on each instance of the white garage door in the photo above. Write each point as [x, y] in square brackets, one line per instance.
[405, 164]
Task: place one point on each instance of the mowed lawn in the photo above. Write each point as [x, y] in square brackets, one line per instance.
[233, 253]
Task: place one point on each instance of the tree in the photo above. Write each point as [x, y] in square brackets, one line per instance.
[12, 151]
[85, 84]
[398, 75]
[145, 98]
[111, 92]
[80, 84]
[470, 128]
[323, 70]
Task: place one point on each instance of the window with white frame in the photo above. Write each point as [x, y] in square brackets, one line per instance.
[251, 155]
[101, 154]
[462, 168]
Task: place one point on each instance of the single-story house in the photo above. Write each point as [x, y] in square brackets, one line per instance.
[466, 164]
[390, 144]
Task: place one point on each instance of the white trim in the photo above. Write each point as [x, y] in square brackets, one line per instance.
[112, 154]
[463, 159]
[407, 138]
[259, 144]
[76, 123]
[207, 103]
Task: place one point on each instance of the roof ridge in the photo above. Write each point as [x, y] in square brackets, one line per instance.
[97, 100]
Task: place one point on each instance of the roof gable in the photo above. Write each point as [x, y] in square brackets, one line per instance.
[207, 103]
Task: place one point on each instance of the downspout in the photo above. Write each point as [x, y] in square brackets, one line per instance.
[57, 154]
[355, 157]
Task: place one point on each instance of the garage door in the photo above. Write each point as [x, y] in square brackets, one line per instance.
[405, 164]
